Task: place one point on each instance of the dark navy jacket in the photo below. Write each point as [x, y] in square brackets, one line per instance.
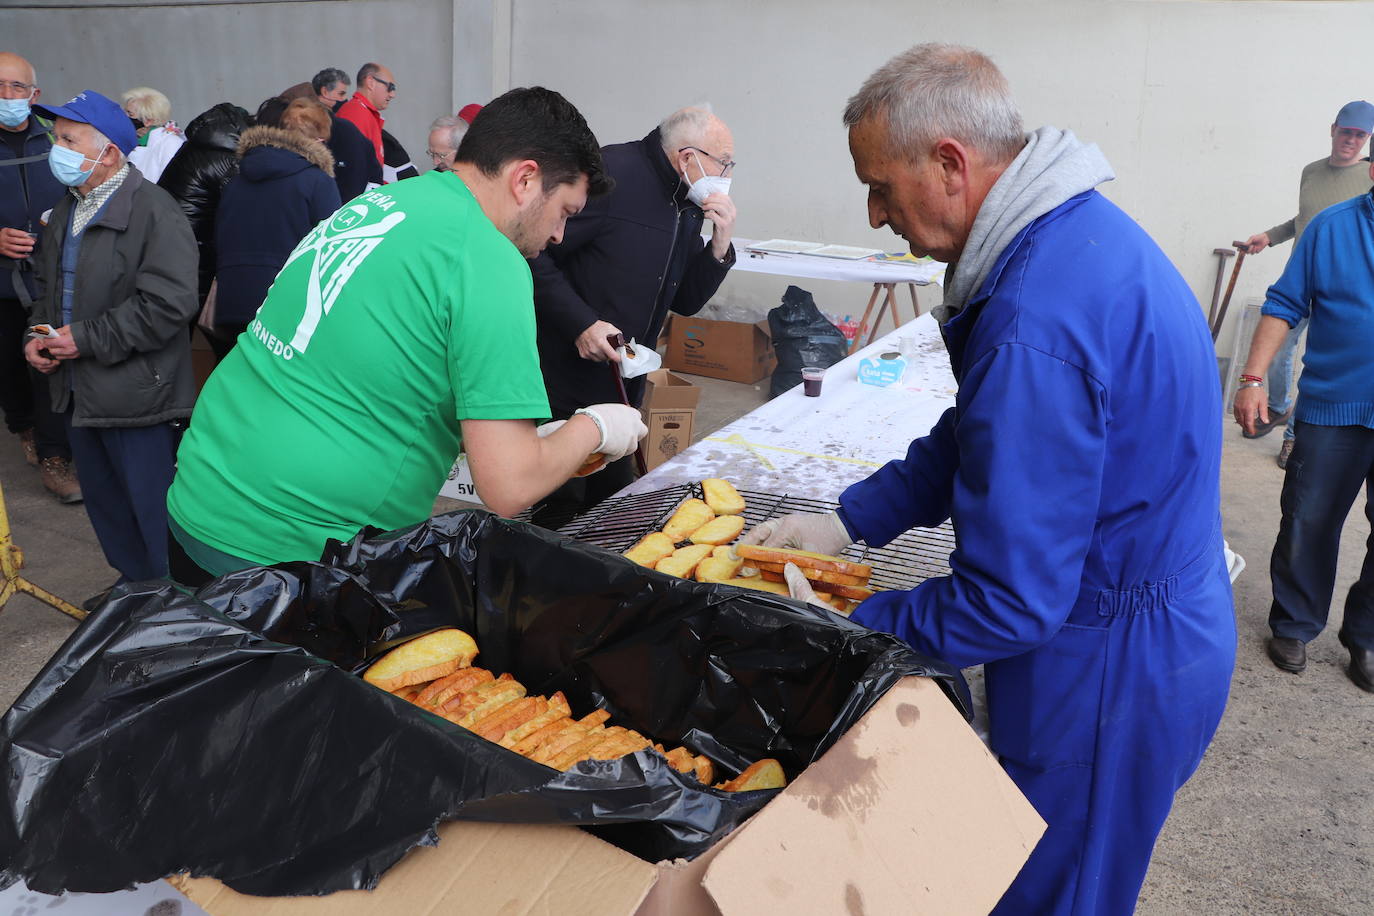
[1080, 465]
[277, 197]
[355, 161]
[627, 258]
[26, 193]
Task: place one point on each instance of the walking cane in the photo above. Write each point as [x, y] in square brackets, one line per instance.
[617, 341]
[1230, 288]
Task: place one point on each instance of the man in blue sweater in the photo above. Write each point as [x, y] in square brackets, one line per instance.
[1329, 281]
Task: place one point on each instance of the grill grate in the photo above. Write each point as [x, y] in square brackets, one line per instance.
[618, 524]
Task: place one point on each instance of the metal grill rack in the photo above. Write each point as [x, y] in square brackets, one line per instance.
[618, 524]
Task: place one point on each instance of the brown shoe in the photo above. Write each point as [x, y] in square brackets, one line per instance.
[60, 479]
[30, 450]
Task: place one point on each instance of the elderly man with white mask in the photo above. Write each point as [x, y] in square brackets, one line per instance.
[626, 261]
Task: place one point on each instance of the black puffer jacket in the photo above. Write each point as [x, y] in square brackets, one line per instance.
[198, 173]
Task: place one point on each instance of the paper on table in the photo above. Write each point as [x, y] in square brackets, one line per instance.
[844, 252]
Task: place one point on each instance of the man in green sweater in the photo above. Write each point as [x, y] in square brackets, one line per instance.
[1324, 183]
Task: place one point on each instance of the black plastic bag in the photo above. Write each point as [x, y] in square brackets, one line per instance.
[802, 338]
[227, 734]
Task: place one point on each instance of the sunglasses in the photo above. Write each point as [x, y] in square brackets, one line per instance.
[390, 87]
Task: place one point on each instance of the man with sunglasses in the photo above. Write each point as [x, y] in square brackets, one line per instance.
[626, 261]
[376, 89]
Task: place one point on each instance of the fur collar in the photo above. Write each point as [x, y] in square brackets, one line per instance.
[317, 154]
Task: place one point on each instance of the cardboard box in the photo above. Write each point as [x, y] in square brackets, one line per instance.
[907, 813]
[669, 410]
[729, 350]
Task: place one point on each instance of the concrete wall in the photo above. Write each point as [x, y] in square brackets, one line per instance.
[1207, 110]
[201, 53]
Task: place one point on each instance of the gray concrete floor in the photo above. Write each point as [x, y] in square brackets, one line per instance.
[1278, 819]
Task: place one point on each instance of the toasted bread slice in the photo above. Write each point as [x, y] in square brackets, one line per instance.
[536, 739]
[690, 516]
[408, 693]
[761, 774]
[422, 659]
[684, 560]
[681, 760]
[558, 709]
[571, 735]
[720, 530]
[717, 569]
[803, 558]
[581, 750]
[512, 690]
[705, 770]
[516, 713]
[843, 591]
[815, 575]
[652, 548]
[760, 585]
[438, 692]
[722, 496]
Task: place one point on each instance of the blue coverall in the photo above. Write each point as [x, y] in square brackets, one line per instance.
[1080, 465]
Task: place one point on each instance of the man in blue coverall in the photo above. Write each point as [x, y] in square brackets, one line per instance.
[1080, 465]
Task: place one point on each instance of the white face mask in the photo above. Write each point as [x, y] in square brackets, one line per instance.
[705, 186]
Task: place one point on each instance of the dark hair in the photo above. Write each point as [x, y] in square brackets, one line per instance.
[270, 111]
[539, 124]
[366, 70]
[326, 78]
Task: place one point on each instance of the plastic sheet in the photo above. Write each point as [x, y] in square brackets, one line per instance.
[802, 338]
[227, 734]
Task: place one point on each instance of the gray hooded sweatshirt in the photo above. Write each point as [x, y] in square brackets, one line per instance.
[1052, 167]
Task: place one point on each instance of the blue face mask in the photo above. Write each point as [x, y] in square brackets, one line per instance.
[66, 166]
[14, 112]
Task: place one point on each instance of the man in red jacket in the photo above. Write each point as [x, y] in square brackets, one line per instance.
[376, 89]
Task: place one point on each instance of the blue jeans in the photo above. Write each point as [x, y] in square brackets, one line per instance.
[125, 473]
[1328, 467]
[1282, 385]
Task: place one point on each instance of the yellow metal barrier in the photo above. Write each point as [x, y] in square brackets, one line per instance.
[12, 560]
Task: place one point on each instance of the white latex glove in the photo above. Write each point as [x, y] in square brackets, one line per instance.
[549, 428]
[621, 429]
[802, 531]
[800, 588]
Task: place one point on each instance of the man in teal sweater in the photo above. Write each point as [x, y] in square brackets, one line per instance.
[1329, 280]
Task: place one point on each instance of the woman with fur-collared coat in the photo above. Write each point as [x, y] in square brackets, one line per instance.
[285, 186]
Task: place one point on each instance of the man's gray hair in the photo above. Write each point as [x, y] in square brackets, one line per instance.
[456, 127]
[939, 90]
[102, 141]
[685, 127]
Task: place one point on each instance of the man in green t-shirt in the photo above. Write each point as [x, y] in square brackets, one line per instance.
[1324, 183]
[399, 328]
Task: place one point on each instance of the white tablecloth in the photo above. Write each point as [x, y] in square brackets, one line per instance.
[815, 447]
[817, 268]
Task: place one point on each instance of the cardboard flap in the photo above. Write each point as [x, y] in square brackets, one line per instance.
[511, 869]
[908, 813]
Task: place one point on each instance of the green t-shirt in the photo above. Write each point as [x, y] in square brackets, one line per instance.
[402, 314]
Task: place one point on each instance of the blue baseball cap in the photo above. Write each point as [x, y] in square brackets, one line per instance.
[1359, 115]
[105, 115]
